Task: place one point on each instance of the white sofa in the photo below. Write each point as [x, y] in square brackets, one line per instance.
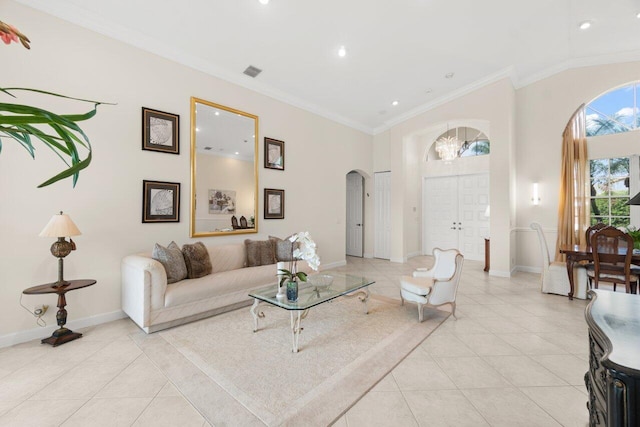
[155, 305]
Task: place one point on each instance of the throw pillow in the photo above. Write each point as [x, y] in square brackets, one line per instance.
[259, 252]
[197, 259]
[172, 260]
[283, 248]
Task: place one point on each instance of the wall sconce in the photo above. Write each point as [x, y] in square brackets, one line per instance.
[536, 194]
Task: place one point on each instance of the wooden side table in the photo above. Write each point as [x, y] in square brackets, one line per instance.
[487, 254]
[61, 335]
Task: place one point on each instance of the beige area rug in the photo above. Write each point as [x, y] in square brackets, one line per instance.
[234, 376]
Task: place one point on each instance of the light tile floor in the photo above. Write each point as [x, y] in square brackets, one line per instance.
[514, 357]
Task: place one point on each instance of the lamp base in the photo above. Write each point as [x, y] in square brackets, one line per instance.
[61, 336]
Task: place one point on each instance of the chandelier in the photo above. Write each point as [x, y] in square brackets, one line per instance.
[448, 147]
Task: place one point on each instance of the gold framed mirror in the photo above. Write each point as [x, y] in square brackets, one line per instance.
[224, 170]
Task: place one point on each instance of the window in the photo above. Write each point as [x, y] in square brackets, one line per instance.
[473, 142]
[479, 147]
[609, 179]
[614, 112]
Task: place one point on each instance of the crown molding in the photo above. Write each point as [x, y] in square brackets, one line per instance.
[92, 22]
[508, 72]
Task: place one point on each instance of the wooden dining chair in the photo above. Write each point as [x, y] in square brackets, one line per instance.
[589, 265]
[234, 222]
[612, 251]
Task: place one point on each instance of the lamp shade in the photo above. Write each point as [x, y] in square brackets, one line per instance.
[635, 200]
[60, 226]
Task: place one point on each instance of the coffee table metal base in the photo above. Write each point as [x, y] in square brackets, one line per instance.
[298, 315]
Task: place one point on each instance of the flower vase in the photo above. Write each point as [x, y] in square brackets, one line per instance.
[282, 292]
[292, 291]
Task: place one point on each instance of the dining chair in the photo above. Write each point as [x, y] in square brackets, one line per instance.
[243, 222]
[554, 277]
[588, 265]
[436, 286]
[612, 251]
[234, 222]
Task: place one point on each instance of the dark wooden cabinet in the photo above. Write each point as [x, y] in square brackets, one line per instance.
[613, 379]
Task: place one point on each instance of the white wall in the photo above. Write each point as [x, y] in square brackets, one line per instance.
[106, 203]
[543, 110]
[492, 105]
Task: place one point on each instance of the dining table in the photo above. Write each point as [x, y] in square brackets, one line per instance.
[577, 253]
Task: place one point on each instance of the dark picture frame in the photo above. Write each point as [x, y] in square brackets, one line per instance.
[273, 154]
[160, 201]
[160, 131]
[273, 203]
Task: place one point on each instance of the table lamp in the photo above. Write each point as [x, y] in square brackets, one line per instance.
[61, 226]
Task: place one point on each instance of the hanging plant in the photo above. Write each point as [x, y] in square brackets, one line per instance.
[60, 132]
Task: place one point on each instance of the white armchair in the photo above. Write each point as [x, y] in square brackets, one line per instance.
[436, 286]
[555, 279]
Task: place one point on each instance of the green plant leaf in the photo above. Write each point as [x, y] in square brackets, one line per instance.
[24, 122]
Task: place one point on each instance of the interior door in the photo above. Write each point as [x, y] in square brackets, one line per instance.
[382, 244]
[440, 207]
[473, 199]
[454, 208]
[355, 202]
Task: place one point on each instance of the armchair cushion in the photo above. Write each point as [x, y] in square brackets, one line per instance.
[417, 285]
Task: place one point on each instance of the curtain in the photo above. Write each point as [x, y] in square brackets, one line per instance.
[573, 209]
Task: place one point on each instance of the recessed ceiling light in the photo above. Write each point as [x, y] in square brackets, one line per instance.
[197, 129]
[237, 153]
[217, 113]
[264, 1]
[638, 15]
[394, 103]
[342, 52]
[584, 25]
[449, 75]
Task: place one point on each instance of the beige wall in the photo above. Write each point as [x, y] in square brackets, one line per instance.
[492, 105]
[106, 203]
[543, 110]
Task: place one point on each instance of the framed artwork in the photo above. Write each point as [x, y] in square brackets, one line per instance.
[273, 154]
[222, 202]
[160, 131]
[273, 204]
[160, 201]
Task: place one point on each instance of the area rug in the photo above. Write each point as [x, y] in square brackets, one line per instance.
[234, 376]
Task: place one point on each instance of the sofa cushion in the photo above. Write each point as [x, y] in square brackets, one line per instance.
[197, 260]
[259, 252]
[218, 284]
[172, 260]
[283, 248]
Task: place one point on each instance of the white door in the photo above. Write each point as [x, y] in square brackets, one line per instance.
[440, 207]
[355, 201]
[382, 244]
[454, 208]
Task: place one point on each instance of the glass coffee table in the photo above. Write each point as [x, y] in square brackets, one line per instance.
[310, 295]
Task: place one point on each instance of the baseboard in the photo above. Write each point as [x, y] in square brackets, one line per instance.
[367, 255]
[39, 333]
[499, 273]
[528, 269]
[414, 254]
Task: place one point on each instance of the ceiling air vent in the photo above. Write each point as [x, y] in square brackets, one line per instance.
[252, 71]
[207, 148]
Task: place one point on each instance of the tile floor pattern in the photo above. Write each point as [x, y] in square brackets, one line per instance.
[514, 357]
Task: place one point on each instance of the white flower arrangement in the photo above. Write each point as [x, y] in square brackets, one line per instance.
[306, 251]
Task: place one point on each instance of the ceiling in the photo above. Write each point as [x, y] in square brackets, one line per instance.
[397, 50]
